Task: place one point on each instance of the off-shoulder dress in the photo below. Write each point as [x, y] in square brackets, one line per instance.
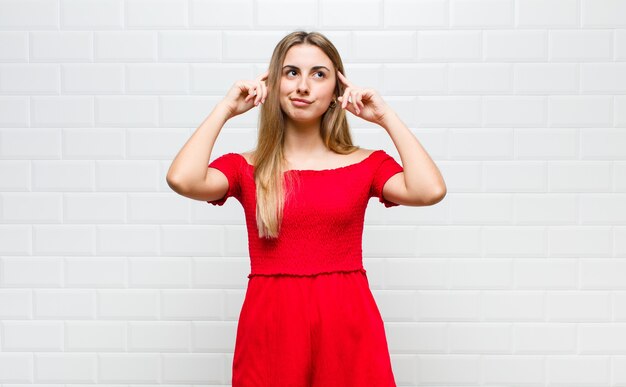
[309, 317]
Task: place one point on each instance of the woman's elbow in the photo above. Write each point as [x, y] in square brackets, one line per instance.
[175, 184]
[437, 195]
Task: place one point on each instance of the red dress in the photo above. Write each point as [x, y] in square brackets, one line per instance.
[309, 317]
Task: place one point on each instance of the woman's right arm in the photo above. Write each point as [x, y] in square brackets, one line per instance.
[188, 174]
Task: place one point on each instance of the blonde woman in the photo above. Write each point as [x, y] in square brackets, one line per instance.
[308, 317]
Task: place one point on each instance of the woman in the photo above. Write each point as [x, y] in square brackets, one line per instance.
[309, 317]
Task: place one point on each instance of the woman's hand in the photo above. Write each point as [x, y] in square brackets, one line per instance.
[244, 95]
[364, 103]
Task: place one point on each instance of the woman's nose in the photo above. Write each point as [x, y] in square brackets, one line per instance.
[303, 86]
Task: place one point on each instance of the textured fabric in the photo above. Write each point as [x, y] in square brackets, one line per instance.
[309, 318]
[311, 331]
[322, 225]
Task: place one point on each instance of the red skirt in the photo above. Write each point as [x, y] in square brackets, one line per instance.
[311, 331]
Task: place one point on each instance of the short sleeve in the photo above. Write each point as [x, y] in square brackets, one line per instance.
[385, 167]
[230, 165]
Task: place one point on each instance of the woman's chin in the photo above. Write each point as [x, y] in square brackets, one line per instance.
[302, 118]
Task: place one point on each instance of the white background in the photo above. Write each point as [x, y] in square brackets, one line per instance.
[517, 278]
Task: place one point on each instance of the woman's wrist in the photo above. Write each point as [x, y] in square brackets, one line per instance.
[386, 117]
[223, 108]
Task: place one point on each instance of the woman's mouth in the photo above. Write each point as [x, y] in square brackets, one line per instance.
[300, 102]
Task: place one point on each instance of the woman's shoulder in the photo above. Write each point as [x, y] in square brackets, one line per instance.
[247, 156]
[366, 152]
[357, 157]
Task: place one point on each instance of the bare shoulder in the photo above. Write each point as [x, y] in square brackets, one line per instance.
[363, 152]
[248, 156]
[356, 157]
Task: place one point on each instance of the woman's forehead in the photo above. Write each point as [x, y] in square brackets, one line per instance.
[306, 56]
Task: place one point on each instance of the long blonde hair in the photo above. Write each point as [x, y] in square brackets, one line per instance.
[268, 156]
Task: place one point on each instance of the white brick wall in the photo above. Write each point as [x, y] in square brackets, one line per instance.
[517, 278]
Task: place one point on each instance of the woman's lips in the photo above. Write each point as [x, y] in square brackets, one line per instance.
[299, 103]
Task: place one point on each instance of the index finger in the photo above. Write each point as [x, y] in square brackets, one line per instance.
[264, 76]
[343, 78]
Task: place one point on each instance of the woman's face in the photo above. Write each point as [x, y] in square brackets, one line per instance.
[302, 78]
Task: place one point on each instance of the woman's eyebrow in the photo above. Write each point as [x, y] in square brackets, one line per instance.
[312, 68]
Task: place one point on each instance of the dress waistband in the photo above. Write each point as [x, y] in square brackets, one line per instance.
[251, 275]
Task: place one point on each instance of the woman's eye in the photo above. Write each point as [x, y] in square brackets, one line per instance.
[319, 72]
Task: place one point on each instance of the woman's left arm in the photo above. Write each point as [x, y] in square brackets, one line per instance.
[421, 183]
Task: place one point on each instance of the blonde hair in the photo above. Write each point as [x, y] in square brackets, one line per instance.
[268, 158]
